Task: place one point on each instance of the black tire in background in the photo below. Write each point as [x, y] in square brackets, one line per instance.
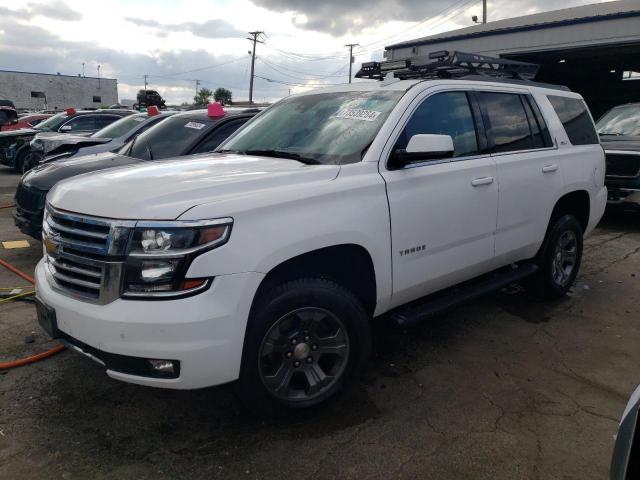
[559, 258]
[306, 340]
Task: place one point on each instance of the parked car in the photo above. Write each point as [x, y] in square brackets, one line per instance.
[25, 121]
[619, 131]
[182, 134]
[8, 113]
[109, 139]
[147, 98]
[266, 263]
[625, 464]
[14, 145]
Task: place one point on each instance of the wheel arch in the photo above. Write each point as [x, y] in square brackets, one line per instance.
[576, 203]
[349, 264]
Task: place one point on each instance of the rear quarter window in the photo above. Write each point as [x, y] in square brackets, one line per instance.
[575, 118]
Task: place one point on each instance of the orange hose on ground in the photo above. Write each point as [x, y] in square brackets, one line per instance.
[38, 356]
[32, 358]
[9, 205]
[20, 273]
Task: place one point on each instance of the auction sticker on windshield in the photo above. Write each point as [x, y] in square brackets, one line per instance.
[358, 114]
[194, 125]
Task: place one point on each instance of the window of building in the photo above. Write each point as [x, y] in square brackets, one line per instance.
[97, 99]
[38, 95]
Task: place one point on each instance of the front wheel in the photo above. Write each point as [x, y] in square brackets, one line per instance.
[306, 340]
[560, 257]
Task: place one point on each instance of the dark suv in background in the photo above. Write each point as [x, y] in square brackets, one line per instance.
[619, 131]
[14, 145]
[147, 98]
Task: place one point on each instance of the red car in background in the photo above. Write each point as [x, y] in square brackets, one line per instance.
[27, 121]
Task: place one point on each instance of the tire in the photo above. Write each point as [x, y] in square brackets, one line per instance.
[306, 341]
[21, 157]
[559, 258]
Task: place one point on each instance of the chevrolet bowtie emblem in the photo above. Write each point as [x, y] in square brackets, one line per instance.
[50, 246]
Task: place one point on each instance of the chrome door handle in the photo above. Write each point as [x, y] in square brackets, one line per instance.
[549, 168]
[482, 181]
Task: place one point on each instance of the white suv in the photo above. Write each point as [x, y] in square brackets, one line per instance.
[266, 263]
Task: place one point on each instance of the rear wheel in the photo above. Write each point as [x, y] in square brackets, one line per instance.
[560, 257]
[306, 340]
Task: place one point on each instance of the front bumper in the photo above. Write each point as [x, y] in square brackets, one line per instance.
[205, 332]
[28, 222]
[624, 197]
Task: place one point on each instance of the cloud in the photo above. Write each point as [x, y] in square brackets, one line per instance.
[35, 49]
[341, 17]
[56, 10]
[215, 28]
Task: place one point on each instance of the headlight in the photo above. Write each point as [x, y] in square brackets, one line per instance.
[160, 253]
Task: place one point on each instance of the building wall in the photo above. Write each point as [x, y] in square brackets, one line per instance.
[602, 32]
[60, 91]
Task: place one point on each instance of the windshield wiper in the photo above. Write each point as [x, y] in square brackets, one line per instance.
[617, 134]
[283, 154]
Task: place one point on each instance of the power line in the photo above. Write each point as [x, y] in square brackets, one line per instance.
[296, 77]
[271, 80]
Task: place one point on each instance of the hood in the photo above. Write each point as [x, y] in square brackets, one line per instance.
[614, 142]
[46, 175]
[18, 133]
[165, 190]
[60, 142]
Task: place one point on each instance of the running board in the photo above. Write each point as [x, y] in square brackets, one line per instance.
[431, 305]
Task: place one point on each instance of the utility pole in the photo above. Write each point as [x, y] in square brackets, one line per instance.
[255, 39]
[484, 11]
[197, 84]
[145, 82]
[83, 69]
[99, 77]
[351, 45]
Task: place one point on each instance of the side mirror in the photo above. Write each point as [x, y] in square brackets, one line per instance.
[423, 147]
[66, 128]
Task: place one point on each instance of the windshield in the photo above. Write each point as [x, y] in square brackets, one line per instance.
[330, 128]
[170, 138]
[620, 121]
[121, 127]
[52, 123]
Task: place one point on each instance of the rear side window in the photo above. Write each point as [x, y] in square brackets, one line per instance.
[444, 114]
[505, 122]
[576, 120]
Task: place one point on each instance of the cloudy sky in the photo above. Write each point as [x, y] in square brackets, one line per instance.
[177, 42]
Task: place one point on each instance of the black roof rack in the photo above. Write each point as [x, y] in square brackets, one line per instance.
[445, 64]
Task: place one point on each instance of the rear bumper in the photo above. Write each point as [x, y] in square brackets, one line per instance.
[204, 333]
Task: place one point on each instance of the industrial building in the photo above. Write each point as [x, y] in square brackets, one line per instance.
[41, 91]
[592, 49]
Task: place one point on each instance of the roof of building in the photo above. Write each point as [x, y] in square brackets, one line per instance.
[57, 75]
[553, 18]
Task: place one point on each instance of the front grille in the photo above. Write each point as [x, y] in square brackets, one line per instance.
[626, 165]
[84, 255]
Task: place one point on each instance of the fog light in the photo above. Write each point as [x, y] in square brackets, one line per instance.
[166, 367]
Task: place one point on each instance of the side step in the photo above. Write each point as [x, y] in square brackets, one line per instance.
[433, 304]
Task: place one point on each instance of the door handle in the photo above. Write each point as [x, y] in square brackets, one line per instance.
[549, 168]
[482, 181]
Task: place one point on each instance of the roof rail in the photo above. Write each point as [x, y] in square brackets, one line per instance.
[445, 64]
